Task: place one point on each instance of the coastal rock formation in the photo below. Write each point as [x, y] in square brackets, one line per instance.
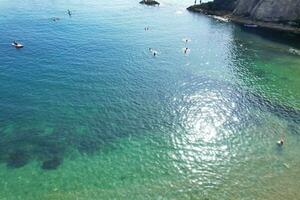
[269, 10]
[278, 14]
[216, 7]
[150, 2]
[227, 5]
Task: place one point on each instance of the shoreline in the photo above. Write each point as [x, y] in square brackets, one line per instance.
[227, 15]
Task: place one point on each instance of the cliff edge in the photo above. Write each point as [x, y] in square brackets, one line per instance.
[284, 15]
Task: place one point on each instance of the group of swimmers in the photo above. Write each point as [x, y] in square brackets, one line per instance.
[185, 50]
[56, 18]
[19, 45]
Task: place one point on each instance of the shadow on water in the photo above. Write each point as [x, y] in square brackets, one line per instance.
[286, 38]
[286, 112]
[290, 39]
[251, 75]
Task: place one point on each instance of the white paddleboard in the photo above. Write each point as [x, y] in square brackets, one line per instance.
[17, 45]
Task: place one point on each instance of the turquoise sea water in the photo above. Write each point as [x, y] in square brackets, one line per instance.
[87, 112]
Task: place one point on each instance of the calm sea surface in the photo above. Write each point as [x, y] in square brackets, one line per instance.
[87, 112]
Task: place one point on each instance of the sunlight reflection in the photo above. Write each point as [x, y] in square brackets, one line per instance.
[200, 144]
[205, 115]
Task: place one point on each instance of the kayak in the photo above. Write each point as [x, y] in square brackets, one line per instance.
[18, 46]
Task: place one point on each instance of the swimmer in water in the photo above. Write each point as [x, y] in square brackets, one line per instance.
[152, 51]
[280, 142]
[185, 50]
[69, 13]
[186, 40]
[55, 19]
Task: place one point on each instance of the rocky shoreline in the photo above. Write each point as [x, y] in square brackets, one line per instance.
[229, 15]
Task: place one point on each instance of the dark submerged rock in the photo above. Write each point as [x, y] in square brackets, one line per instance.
[18, 159]
[150, 2]
[52, 163]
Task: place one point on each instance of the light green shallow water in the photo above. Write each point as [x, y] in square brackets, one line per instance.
[152, 170]
[117, 123]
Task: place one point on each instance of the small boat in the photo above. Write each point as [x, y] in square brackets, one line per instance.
[251, 25]
[17, 45]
